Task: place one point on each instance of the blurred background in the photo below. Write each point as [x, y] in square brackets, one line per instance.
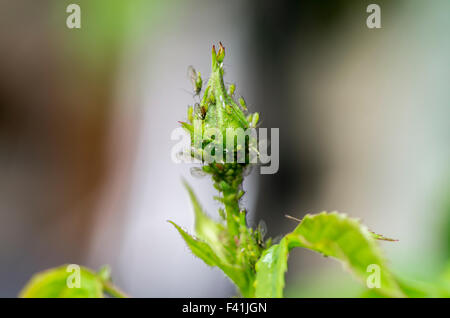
[86, 116]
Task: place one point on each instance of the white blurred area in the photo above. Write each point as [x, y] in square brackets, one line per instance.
[148, 256]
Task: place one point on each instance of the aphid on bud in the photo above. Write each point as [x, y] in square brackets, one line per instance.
[200, 111]
[196, 79]
[212, 99]
[255, 119]
[242, 103]
[261, 233]
[231, 89]
[190, 114]
[197, 172]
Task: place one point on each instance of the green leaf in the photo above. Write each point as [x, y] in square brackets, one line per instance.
[199, 248]
[206, 228]
[55, 282]
[343, 238]
[270, 270]
[331, 234]
[205, 252]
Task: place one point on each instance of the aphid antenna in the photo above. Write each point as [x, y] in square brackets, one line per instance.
[292, 218]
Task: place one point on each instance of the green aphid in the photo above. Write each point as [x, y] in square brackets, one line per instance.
[212, 99]
[242, 103]
[261, 233]
[255, 119]
[231, 89]
[196, 79]
[198, 83]
[190, 114]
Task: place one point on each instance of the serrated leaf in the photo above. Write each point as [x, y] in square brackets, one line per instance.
[203, 251]
[331, 234]
[344, 238]
[206, 228]
[199, 248]
[53, 283]
[270, 270]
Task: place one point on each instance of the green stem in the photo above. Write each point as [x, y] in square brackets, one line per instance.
[232, 211]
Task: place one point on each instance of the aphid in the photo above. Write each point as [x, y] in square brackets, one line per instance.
[197, 172]
[261, 232]
[196, 79]
[200, 111]
[242, 103]
[255, 119]
[231, 89]
[190, 114]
